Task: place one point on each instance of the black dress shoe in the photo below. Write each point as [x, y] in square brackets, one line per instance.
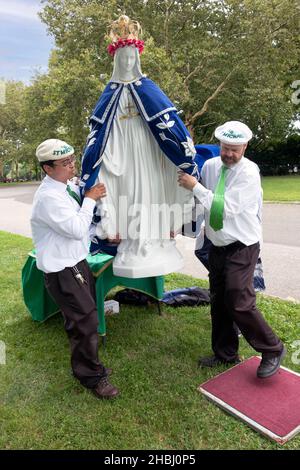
[214, 361]
[270, 365]
[105, 389]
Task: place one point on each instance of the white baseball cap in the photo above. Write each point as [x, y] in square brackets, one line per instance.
[234, 133]
[53, 149]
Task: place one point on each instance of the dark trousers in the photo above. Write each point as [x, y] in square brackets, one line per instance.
[77, 302]
[233, 299]
[203, 253]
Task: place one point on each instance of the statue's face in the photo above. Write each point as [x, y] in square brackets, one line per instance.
[127, 58]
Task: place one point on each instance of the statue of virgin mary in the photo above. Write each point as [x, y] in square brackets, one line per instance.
[136, 146]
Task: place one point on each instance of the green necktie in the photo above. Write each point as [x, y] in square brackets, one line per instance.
[74, 195]
[217, 207]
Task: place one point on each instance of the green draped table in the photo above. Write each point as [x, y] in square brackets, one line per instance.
[41, 305]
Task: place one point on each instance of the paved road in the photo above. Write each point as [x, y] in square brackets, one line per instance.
[280, 252]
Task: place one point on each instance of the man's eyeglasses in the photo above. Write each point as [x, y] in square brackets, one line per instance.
[66, 162]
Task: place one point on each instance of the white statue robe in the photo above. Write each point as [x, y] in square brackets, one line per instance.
[134, 167]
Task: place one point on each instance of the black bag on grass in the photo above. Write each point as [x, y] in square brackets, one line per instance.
[133, 297]
[188, 296]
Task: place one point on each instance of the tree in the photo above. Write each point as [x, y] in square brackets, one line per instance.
[219, 59]
[12, 127]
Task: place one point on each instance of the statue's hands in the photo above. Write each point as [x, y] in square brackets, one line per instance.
[96, 192]
[186, 181]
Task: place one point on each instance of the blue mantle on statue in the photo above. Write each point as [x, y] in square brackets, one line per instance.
[158, 112]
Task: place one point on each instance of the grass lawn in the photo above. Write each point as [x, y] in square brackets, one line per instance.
[155, 366]
[281, 188]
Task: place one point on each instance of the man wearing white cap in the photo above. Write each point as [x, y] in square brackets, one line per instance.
[231, 194]
[60, 228]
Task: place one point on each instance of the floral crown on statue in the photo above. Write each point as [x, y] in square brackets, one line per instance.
[124, 32]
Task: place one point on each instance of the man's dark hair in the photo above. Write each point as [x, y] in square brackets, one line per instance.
[48, 162]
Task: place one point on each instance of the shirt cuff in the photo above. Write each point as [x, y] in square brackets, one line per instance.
[200, 191]
[88, 203]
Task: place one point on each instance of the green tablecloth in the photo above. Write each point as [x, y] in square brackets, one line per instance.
[41, 305]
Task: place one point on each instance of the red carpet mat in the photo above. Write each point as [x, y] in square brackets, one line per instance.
[270, 406]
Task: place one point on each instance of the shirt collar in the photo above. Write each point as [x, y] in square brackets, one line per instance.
[237, 165]
[55, 184]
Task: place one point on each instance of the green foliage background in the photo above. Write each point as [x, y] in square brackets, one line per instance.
[217, 60]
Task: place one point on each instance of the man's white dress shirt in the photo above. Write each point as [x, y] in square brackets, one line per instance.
[242, 201]
[60, 227]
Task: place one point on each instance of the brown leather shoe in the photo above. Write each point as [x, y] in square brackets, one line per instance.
[105, 389]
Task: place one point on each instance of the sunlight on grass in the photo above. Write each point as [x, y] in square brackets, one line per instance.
[281, 188]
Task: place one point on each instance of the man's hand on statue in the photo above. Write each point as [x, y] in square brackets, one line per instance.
[173, 234]
[186, 181]
[115, 239]
[96, 192]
